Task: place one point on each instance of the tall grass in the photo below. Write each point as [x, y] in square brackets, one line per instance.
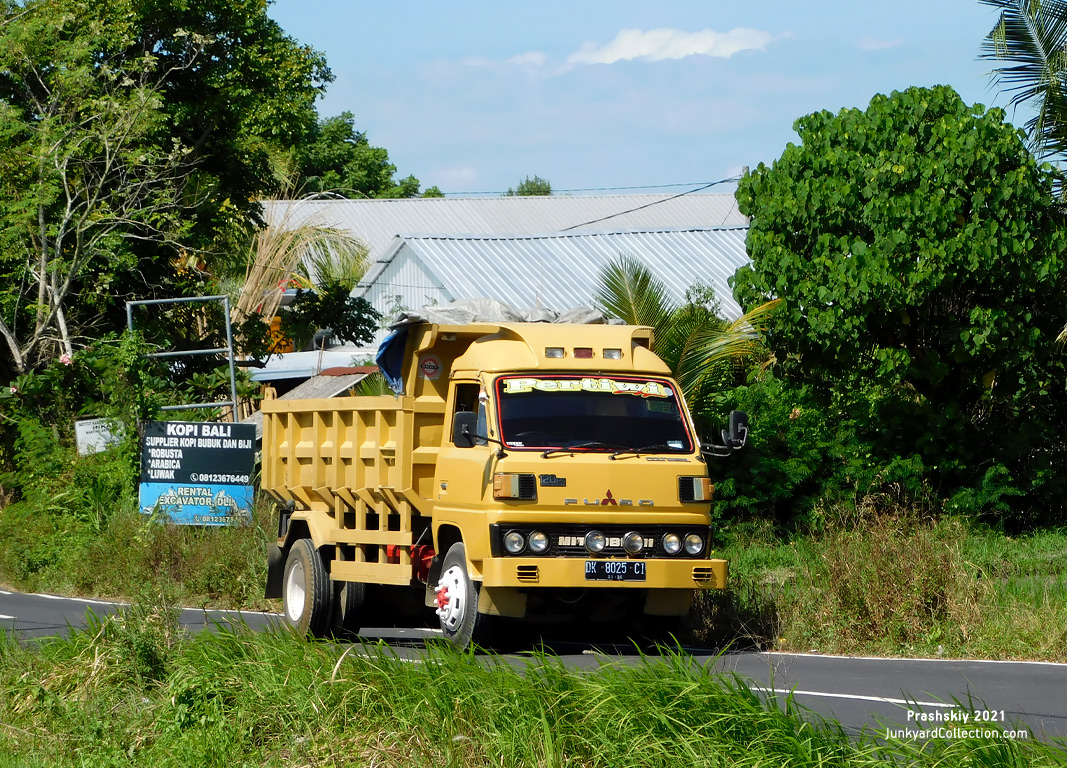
[898, 585]
[211, 567]
[233, 698]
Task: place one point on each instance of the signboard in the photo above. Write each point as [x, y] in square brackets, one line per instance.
[95, 435]
[198, 473]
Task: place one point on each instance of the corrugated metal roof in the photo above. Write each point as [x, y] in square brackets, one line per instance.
[301, 365]
[558, 271]
[377, 222]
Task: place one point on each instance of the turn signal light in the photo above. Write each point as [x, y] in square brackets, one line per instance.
[508, 485]
[695, 489]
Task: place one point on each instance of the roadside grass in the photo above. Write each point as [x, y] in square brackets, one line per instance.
[211, 567]
[132, 691]
[900, 585]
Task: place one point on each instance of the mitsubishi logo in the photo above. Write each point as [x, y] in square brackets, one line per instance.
[609, 500]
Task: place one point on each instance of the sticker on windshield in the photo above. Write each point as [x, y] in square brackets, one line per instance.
[613, 386]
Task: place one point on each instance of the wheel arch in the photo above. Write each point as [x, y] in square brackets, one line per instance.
[446, 535]
[298, 528]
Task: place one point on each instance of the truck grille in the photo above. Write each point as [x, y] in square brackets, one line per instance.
[527, 486]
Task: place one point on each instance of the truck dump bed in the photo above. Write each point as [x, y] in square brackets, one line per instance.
[366, 461]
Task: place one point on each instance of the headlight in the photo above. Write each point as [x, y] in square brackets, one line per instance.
[672, 544]
[514, 542]
[538, 543]
[633, 542]
[595, 542]
[694, 544]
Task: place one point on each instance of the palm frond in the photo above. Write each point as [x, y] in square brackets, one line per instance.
[275, 257]
[1033, 35]
[742, 339]
[629, 291]
[335, 258]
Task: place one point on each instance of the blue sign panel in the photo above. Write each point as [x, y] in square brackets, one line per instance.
[198, 473]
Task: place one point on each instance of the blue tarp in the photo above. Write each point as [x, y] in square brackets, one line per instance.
[390, 357]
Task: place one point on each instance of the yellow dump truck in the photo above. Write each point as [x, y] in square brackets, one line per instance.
[533, 471]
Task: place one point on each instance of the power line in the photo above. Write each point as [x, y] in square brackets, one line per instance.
[610, 189]
[654, 202]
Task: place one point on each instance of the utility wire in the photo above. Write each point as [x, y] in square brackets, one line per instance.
[654, 202]
[596, 189]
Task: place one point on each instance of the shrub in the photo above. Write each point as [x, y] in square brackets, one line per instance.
[808, 453]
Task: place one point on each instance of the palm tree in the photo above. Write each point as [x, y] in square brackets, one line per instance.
[696, 344]
[1033, 35]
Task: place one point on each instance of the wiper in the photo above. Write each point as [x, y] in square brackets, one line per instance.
[658, 447]
[587, 444]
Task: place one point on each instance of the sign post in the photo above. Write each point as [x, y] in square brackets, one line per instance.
[198, 473]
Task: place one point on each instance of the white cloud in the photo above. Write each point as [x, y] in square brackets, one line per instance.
[531, 59]
[666, 43]
[874, 44]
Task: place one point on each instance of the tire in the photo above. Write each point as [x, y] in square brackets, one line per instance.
[349, 607]
[457, 602]
[306, 590]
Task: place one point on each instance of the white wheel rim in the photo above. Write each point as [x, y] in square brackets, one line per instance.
[453, 586]
[295, 593]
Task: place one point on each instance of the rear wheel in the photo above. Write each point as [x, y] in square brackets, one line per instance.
[457, 601]
[306, 590]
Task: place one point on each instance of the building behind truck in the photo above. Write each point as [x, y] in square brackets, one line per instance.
[527, 471]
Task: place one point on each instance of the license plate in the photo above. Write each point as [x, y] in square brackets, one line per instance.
[615, 570]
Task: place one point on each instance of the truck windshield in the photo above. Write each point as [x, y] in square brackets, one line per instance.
[587, 413]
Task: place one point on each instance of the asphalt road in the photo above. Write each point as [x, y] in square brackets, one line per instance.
[931, 698]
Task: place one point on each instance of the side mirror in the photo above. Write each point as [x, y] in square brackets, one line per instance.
[463, 425]
[738, 434]
[733, 438]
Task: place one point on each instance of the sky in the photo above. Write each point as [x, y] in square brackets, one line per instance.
[622, 95]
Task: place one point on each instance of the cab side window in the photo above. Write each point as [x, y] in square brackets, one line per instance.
[467, 402]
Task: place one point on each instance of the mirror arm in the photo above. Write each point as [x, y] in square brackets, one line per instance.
[500, 454]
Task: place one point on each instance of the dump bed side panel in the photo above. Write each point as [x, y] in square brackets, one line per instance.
[360, 471]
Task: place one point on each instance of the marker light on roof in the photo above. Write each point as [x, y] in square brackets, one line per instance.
[553, 351]
[613, 354]
[584, 352]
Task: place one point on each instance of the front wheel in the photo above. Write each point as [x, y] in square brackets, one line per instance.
[457, 601]
[306, 590]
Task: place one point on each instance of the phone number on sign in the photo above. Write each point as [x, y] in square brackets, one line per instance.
[209, 478]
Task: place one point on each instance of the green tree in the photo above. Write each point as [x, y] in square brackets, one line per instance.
[329, 306]
[918, 253]
[340, 159]
[1033, 35]
[530, 186]
[137, 136]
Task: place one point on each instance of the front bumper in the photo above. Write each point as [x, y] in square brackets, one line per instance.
[570, 572]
